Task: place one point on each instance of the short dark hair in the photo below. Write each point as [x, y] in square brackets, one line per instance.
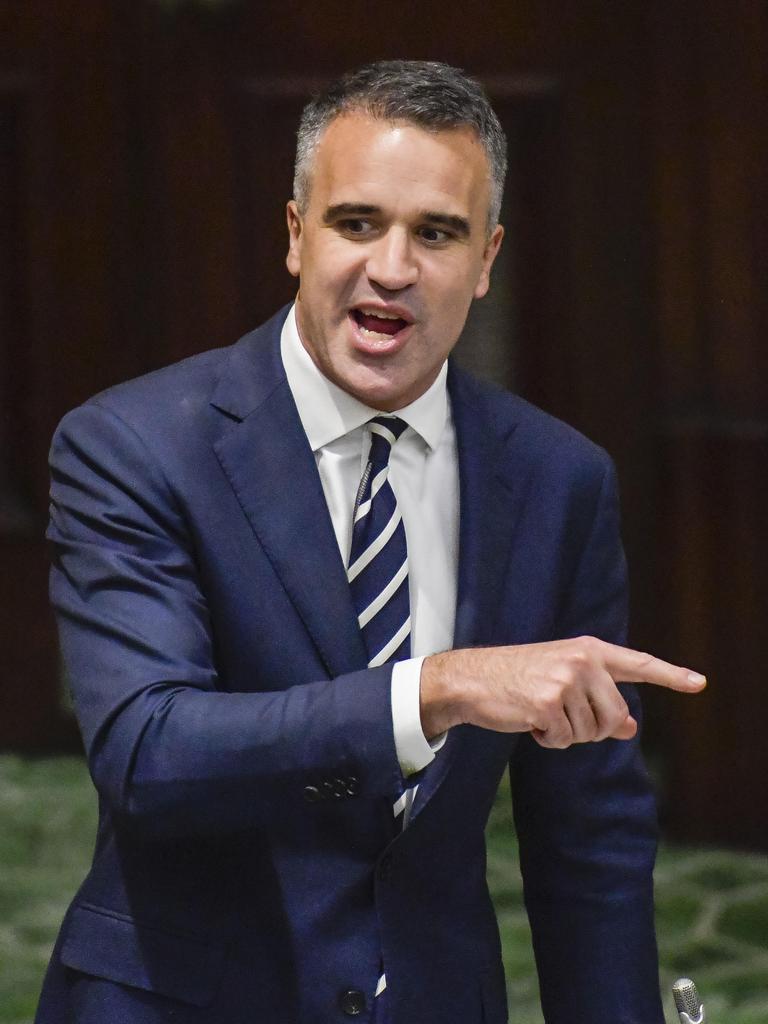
[429, 94]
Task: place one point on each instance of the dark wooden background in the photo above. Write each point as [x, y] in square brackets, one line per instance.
[145, 159]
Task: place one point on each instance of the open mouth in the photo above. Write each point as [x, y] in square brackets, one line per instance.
[379, 324]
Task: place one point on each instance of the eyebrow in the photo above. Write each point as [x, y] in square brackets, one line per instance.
[332, 213]
[460, 225]
[448, 220]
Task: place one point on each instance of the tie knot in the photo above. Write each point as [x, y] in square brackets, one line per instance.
[385, 430]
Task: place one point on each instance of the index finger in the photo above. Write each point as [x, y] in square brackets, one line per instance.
[629, 666]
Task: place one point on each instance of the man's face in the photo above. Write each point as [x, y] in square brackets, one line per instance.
[390, 252]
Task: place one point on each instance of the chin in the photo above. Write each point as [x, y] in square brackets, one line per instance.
[374, 392]
[378, 399]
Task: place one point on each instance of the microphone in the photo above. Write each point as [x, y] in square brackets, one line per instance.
[689, 1006]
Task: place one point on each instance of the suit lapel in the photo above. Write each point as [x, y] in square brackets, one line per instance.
[495, 478]
[267, 459]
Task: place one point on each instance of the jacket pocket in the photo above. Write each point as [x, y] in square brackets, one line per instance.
[113, 946]
[494, 992]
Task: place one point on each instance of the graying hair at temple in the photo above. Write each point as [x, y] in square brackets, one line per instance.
[434, 96]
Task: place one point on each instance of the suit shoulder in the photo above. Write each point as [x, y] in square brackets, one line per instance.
[181, 386]
[174, 401]
[545, 437]
[553, 434]
[142, 415]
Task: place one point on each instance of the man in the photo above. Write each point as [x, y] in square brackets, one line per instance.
[259, 554]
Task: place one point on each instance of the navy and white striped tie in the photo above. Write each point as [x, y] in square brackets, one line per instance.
[378, 560]
[378, 573]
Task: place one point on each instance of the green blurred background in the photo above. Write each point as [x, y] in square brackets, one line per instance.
[712, 905]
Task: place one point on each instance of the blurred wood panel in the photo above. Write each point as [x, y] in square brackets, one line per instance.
[713, 545]
[710, 415]
[148, 147]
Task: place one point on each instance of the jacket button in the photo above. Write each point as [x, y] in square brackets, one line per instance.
[312, 794]
[352, 785]
[352, 1002]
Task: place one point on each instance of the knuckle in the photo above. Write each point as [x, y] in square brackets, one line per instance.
[612, 717]
[583, 655]
[589, 646]
[644, 659]
[593, 732]
[583, 724]
[620, 707]
[578, 659]
[549, 703]
[566, 681]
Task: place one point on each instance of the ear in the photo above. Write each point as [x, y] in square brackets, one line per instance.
[489, 255]
[295, 228]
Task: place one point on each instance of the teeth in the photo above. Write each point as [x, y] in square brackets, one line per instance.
[381, 316]
[376, 334]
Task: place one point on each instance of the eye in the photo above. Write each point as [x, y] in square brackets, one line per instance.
[355, 226]
[433, 235]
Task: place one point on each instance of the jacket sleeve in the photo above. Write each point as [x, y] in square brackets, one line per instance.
[586, 822]
[167, 748]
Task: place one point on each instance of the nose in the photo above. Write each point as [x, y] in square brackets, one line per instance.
[391, 261]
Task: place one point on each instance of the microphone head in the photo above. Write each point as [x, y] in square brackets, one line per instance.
[687, 1000]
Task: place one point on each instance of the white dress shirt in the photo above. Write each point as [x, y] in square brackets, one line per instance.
[423, 473]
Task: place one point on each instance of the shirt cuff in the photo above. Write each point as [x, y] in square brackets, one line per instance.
[414, 750]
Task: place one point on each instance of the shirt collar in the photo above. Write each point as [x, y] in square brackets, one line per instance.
[328, 412]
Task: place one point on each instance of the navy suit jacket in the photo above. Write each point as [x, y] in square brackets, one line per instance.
[245, 866]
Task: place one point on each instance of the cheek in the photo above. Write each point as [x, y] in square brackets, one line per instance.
[457, 299]
[456, 281]
[335, 280]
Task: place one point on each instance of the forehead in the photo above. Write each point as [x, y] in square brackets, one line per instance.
[360, 158]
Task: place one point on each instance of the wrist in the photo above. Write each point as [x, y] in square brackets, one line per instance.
[438, 697]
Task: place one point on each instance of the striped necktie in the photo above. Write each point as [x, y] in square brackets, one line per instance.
[378, 560]
[378, 572]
